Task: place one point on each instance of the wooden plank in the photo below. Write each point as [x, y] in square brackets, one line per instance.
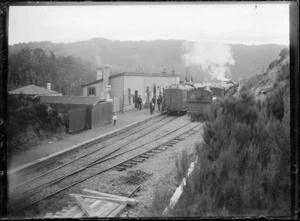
[79, 214]
[83, 205]
[105, 194]
[99, 206]
[118, 200]
[94, 204]
[109, 210]
[89, 201]
[116, 212]
[105, 208]
[71, 211]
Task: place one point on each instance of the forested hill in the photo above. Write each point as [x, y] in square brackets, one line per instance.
[154, 55]
[35, 66]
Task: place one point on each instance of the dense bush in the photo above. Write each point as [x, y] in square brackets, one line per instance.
[243, 166]
[29, 122]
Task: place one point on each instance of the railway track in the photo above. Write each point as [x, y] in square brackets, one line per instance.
[94, 149]
[119, 158]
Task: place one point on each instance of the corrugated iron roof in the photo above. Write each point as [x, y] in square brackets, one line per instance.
[32, 90]
[71, 100]
[132, 74]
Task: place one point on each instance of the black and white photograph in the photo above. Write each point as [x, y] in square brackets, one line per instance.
[149, 109]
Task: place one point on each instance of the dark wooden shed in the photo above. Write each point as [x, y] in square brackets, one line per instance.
[83, 112]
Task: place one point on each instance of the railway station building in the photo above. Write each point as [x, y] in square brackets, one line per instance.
[123, 88]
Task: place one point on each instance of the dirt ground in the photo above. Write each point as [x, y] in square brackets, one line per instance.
[157, 173]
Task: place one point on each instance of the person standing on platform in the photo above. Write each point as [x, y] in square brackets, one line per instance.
[159, 100]
[139, 101]
[153, 101]
[151, 107]
[115, 118]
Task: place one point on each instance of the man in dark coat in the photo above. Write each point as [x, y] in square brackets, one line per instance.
[153, 101]
[139, 101]
[159, 100]
[151, 107]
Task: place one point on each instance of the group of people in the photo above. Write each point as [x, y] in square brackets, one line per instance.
[139, 105]
[152, 103]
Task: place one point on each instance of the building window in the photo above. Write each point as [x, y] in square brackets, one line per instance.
[91, 91]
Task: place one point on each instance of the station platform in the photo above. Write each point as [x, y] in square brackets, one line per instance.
[48, 151]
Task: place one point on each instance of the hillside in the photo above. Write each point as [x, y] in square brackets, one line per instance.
[243, 164]
[154, 55]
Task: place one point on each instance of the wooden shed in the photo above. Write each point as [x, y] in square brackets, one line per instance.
[82, 112]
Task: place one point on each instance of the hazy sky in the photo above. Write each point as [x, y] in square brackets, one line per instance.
[231, 23]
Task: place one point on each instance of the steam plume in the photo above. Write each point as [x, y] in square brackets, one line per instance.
[214, 58]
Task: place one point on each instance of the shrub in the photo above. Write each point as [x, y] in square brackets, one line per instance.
[30, 122]
[243, 165]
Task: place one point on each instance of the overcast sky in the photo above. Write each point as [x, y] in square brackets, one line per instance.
[230, 23]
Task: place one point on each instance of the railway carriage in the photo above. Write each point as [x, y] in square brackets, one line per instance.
[198, 103]
[175, 99]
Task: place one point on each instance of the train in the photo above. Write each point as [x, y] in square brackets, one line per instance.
[181, 99]
[175, 99]
[199, 101]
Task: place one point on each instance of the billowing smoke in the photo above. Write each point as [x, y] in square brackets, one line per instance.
[98, 60]
[214, 58]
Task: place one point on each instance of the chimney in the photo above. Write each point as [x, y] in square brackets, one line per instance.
[164, 71]
[106, 73]
[48, 86]
[99, 73]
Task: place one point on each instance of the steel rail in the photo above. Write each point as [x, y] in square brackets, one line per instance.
[100, 172]
[95, 162]
[78, 158]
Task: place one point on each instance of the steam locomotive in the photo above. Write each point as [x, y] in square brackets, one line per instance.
[180, 99]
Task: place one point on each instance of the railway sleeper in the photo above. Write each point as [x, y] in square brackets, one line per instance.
[132, 162]
[162, 148]
[126, 164]
[156, 151]
[144, 156]
[168, 144]
[120, 168]
[138, 160]
[179, 139]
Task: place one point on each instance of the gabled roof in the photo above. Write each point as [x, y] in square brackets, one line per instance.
[138, 74]
[32, 90]
[71, 100]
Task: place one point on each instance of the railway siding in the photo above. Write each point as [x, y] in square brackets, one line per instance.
[54, 157]
[115, 161]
